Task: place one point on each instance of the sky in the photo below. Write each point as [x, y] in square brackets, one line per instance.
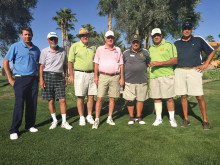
[87, 13]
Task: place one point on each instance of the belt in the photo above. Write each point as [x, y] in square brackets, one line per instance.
[18, 75]
[89, 71]
[188, 68]
[53, 73]
[109, 74]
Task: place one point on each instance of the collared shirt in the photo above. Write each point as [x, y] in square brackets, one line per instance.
[53, 61]
[82, 56]
[164, 52]
[190, 52]
[136, 65]
[24, 59]
[109, 60]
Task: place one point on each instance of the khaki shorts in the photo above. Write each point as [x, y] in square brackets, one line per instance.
[135, 91]
[188, 82]
[84, 84]
[108, 85]
[162, 87]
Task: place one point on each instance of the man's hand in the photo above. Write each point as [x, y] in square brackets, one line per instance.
[154, 63]
[66, 79]
[42, 84]
[96, 80]
[71, 80]
[201, 67]
[11, 81]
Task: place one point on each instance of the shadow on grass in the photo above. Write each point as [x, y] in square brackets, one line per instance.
[4, 83]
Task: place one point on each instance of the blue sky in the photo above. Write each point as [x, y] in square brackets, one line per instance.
[86, 12]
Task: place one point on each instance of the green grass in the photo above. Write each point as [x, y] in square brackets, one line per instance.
[213, 74]
[120, 144]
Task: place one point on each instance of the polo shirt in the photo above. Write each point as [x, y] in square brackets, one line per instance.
[164, 52]
[136, 65]
[190, 52]
[24, 59]
[109, 60]
[53, 61]
[82, 56]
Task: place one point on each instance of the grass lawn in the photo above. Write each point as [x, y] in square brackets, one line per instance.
[120, 144]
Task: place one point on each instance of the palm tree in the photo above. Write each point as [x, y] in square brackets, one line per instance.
[65, 19]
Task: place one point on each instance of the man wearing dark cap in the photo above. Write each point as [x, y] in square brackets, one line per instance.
[163, 56]
[136, 60]
[188, 74]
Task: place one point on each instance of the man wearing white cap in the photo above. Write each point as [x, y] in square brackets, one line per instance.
[163, 56]
[109, 64]
[53, 63]
[81, 68]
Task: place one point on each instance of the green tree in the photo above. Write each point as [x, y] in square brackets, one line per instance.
[210, 38]
[14, 14]
[65, 19]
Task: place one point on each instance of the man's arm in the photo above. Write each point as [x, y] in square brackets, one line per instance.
[70, 66]
[8, 72]
[42, 84]
[96, 78]
[170, 62]
[122, 80]
[206, 63]
[65, 68]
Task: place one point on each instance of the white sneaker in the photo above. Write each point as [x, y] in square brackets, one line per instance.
[95, 125]
[32, 129]
[53, 125]
[90, 119]
[173, 123]
[140, 121]
[82, 121]
[110, 121]
[157, 122]
[66, 126]
[13, 136]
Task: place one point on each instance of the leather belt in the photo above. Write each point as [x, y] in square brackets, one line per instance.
[109, 74]
[188, 67]
[18, 75]
[89, 71]
[53, 73]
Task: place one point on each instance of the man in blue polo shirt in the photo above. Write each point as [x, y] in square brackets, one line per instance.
[25, 56]
[188, 74]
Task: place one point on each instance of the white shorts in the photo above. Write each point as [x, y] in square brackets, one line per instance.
[84, 84]
[188, 82]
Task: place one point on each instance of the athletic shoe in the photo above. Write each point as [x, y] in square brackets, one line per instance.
[185, 123]
[157, 122]
[173, 123]
[82, 121]
[131, 121]
[32, 129]
[110, 121]
[66, 126]
[95, 125]
[140, 121]
[13, 136]
[206, 125]
[53, 125]
[90, 119]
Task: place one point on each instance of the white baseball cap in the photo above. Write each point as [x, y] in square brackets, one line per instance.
[109, 33]
[156, 31]
[52, 34]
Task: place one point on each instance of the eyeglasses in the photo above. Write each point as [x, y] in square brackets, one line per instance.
[110, 37]
[156, 35]
[84, 35]
[187, 28]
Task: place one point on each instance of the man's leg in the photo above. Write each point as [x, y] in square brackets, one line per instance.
[171, 111]
[130, 107]
[98, 108]
[158, 110]
[184, 103]
[139, 107]
[202, 105]
[64, 124]
[90, 102]
[111, 106]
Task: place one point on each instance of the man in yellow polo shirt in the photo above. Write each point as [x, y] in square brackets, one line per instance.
[163, 56]
[80, 64]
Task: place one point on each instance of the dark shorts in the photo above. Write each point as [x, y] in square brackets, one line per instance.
[55, 86]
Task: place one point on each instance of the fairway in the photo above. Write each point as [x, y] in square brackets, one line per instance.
[122, 144]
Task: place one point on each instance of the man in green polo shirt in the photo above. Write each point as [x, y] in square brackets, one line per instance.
[163, 56]
[80, 64]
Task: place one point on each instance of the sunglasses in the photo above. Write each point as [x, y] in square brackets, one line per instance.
[84, 35]
[110, 37]
[156, 35]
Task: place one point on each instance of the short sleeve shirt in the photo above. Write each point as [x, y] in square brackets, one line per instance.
[190, 52]
[82, 56]
[53, 61]
[109, 60]
[24, 59]
[164, 52]
[136, 65]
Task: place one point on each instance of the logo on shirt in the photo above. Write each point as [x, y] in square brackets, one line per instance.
[162, 49]
[115, 51]
[132, 55]
[141, 54]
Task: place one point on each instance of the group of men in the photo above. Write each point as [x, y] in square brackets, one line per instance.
[103, 72]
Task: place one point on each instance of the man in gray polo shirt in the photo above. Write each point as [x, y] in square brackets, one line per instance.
[53, 62]
[136, 60]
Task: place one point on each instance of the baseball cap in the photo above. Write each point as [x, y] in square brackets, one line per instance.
[187, 25]
[109, 33]
[52, 34]
[156, 31]
[135, 37]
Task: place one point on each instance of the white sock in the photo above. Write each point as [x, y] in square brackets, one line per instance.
[54, 116]
[158, 110]
[97, 119]
[89, 115]
[171, 114]
[63, 118]
[82, 117]
[109, 117]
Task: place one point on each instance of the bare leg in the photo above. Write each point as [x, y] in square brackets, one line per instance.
[202, 105]
[98, 106]
[90, 104]
[139, 107]
[111, 105]
[184, 103]
[80, 105]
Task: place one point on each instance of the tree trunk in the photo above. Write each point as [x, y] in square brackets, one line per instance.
[147, 41]
[110, 21]
[62, 30]
[137, 31]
